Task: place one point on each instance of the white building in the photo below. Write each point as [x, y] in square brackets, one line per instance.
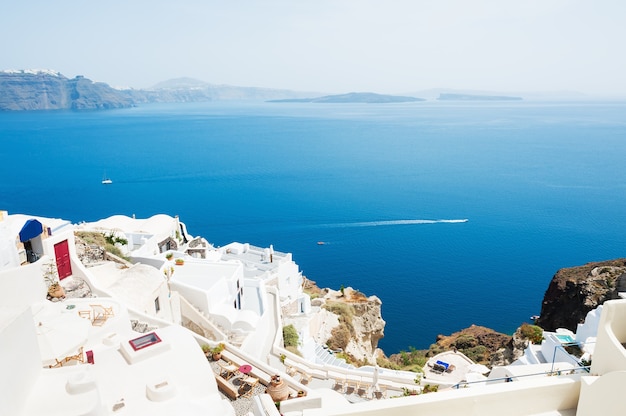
[80, 356]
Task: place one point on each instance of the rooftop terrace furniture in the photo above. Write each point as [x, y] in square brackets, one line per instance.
[57, 363]
[79, 356]
[85, 314]
[227, 388]
[339, 385]
[380, 393]
[305, 378]
[248, 384]
[227, 370]
[362, 389]
[100, 314]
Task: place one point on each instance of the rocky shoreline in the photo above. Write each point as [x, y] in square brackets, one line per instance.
[571, 294]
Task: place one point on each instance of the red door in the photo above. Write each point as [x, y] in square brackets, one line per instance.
[62, 254]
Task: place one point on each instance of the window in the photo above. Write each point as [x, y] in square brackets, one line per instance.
[144, 341]
[157, 305]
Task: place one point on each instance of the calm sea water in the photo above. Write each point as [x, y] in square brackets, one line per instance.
[542, 185]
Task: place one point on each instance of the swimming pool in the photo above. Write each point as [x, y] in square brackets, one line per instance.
[565, 338]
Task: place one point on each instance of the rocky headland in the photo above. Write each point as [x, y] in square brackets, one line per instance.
[574, 291]
[49, 90]
[348, 322]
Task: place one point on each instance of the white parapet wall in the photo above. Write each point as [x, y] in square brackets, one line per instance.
[524, 398]
[609, 352]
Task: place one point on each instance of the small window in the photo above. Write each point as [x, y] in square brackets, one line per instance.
[157, 304]
[144, 341]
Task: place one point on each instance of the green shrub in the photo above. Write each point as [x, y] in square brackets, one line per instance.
[340, 336]
[343, 310]
[465, 341]
[430, 388]
[112, 239]
[385, 363]
[533, 333]
[477, 353]
[290, 336]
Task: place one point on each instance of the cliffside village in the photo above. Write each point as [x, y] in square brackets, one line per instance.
[173, 325]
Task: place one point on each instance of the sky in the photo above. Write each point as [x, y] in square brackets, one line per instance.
[334, 46]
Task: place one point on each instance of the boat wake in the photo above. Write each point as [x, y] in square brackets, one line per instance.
[392, 222]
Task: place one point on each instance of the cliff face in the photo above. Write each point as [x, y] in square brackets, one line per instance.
[575, 291]
[48, 90]
[350, 322]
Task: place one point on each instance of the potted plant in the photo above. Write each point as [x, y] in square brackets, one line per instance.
[217, 351]
[51, 277]
[206, 349]
[169, 256]
[179, 261]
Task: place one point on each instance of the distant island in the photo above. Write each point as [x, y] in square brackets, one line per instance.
[476, 97]
[353, 97]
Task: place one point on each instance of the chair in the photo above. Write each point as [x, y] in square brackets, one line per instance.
[339, 385]
[251, 382]
[100, 315]
[305, 378]
[108, 312]
[291, 371]
[228, 370]
[57, 364]
[85, 314]
[380, 394]
[78, 356]
[350, 388]
[361, 389]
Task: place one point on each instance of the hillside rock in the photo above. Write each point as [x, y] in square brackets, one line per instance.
[350, 322]
[476, 342]
[511, 351]
[575, 291]
[49, 90]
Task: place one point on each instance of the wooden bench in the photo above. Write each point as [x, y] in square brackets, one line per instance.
[227, 388]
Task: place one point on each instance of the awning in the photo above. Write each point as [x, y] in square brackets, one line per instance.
[30, 230]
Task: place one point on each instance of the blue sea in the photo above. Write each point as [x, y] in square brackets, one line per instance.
[542, 186]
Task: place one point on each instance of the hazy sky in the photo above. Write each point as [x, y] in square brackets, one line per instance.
[326, 45]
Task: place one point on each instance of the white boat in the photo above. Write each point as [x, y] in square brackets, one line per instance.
[106, 180]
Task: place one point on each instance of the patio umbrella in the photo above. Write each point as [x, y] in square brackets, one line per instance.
[245, 369]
